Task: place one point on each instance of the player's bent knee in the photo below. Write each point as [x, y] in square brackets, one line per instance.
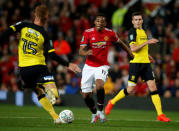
[99, 84]
[41, 96]
[130, 89]
[86, 95]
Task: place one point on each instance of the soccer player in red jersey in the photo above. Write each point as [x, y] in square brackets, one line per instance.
[95, 45]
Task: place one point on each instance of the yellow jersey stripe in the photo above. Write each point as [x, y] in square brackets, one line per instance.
[45, 83]
[132, 82]
[14, 29]
[52, 50]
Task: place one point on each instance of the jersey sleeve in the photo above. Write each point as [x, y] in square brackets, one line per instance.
[132, 36]
[18, 26]
[114, 37]
[85, 39]
[48, 44]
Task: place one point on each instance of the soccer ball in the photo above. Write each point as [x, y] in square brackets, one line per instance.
[66, 116]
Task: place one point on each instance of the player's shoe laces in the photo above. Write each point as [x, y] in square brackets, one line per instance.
[101, 116]
[163, 118]
[51, 96]
[57, 121]
[109, 107]
[94, 118]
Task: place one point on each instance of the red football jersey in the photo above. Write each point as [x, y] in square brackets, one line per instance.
[99, 43]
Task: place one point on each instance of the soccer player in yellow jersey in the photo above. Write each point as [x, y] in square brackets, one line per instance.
[33, 48]
[140, 67]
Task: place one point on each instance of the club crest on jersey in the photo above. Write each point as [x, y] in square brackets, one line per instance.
[106, 38]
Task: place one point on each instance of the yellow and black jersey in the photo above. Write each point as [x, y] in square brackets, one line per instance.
[137, 37]
[34, 44]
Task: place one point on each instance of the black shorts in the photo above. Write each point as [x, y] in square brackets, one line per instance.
[35, 75]
[142, 70]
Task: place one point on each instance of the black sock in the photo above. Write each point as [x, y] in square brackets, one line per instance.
[100, 99]
[91, 105]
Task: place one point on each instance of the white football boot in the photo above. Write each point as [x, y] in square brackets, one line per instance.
[94, 118]
[101, 116]
[57, 121]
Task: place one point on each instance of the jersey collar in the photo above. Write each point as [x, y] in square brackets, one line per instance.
[98, 31]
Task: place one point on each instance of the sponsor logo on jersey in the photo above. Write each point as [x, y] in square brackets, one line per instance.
[48, 78]
[101, 44]
[33, 32]
[143, 38]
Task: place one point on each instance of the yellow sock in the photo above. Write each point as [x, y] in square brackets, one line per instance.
[48, 107]
[157, 103]
[118, 97]
[55, 92]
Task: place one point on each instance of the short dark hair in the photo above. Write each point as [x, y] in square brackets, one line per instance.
[101, 15]
[136, 13]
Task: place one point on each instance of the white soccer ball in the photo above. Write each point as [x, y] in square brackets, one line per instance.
[66, 116]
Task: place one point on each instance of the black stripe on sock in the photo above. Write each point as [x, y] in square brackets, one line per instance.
[100, 98]
[154, 92]
[125, 92]
[41, 96]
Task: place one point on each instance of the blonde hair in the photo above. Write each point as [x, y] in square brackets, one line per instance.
[41, 12]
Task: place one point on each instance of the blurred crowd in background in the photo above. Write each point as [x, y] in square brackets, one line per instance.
[67, 21]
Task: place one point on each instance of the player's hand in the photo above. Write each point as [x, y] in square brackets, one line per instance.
[151, 59]
[153, 41]
[89, 52]
[130, 55]
[74, 68]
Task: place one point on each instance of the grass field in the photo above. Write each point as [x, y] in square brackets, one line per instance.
[32, 118]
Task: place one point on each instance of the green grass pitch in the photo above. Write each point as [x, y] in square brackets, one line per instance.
[32, 118]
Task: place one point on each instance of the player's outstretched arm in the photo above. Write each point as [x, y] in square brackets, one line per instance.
[123, 45]
[84, 52]
[135, 48]
[74, 67]
[71, 66]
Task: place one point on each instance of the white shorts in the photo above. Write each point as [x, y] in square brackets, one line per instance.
[90, 74]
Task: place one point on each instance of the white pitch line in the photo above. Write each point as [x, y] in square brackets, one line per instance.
[18, 117]
[33, 117]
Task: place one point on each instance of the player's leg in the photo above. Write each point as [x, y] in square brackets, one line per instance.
[148, 76]
[156, 101]
[52, 92]
[101, 75]
[30, 76]
[133, 76]
[122, 94]
[100, 99]
[91, 105]
[46, 80]
[86, 87]
[46, 104]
